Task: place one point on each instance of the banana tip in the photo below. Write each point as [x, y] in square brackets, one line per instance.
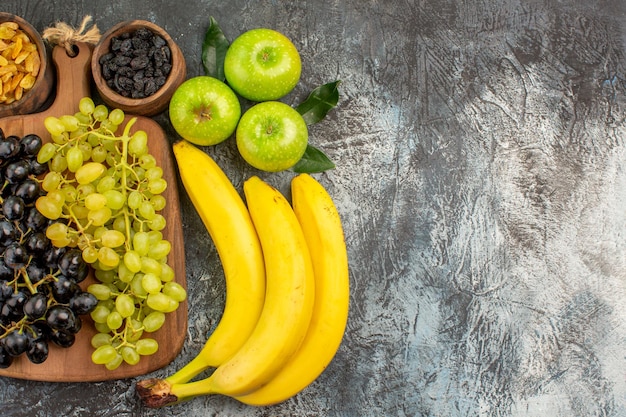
[155, 393]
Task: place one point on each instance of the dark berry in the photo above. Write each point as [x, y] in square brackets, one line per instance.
[60, 317]
[9, 147]
[13, 207]
[31, 144]
[62, 338]
[35, 306]
[37, 243]
[72, 265]
[17, 171]
[63, 289]
[5, 359]
[83, 303]
[16, 256]
[15, 343]
[28, 190]
[37, 351]
[7, 232]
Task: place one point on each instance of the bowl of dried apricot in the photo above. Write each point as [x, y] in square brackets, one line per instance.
[26, 78]
[137, 66]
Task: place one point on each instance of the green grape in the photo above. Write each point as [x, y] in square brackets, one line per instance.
[174, 290]
[56, 196]
[158, 223]
[113, 239]
[74, 158]
[100, 314]
[103, 354]
[136, 286]
[89, 172]
[132, 261]
[70, 122]
[100, 291]
[58, 163]
[119, 224]
[106, 183]
[54, 126]
[47, 151]
[69, 193]
[157, 186]
[116, 116]
[138, 144]
[124, 274]
[104, 276]
[114, 363]
[108, 257]
[86, 106]
[115, 199]
[51, 181]
[95, 201]
[49, 208]
[154, 173]
[147, 161]
[90, 254]
[146, 210]
[125, 305]
[114, 320]
[57, 231]
[134, 330]
[83, 119]
[100, 216]
[100, 112]
[151, 266]
[160, 250]
[100, 339]
[154, 321]
[99, 154]
[167, 273]
[102, 327]
[108, 126]
[158, 202]
[147, 346]
[85, 148]
[151, 283]
[85, 189]
[141, 243]
[161, 302]
[134, 200]
[130, 355]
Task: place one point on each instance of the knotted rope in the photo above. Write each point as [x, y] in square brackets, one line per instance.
[66, 36]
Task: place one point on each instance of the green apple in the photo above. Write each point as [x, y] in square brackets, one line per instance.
[272, 136]
[204, 110]
[262, 65]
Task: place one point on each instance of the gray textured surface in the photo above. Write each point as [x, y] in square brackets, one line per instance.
[481, 180]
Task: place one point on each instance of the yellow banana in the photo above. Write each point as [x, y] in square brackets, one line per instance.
[323, 232]
[290, 291]
[230, 226]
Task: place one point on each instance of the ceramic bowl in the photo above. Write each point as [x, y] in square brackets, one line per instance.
[151, 104]
[37, 96]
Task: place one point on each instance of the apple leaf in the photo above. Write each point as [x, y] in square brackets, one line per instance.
[319, 103]
[313, 161]
[214, 50]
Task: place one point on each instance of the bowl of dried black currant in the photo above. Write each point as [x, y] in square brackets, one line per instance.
[136, 67]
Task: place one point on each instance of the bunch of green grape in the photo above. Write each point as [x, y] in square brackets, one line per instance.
[107, 188]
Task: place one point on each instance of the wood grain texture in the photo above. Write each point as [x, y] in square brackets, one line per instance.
[480, 178]
[74, 363]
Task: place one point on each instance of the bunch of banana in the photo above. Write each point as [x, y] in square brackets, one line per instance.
[305, 308]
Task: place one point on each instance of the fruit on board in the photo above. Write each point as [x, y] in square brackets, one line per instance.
[272, 136]
[108, 188]
[204, 110]
[262, 65]
[297, 335]
[228, 222]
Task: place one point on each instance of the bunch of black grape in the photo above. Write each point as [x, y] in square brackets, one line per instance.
[40, 299]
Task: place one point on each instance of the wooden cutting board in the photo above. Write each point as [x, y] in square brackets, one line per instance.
[74, 364]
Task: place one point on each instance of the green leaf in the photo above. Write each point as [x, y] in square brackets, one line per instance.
[319, 103]
[313, 161]
[214, 50]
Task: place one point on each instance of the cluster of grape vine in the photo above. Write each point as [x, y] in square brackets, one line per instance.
[40, 299]
[107, 188]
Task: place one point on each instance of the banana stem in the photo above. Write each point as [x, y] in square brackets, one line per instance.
[156, 393]
[189, 371]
